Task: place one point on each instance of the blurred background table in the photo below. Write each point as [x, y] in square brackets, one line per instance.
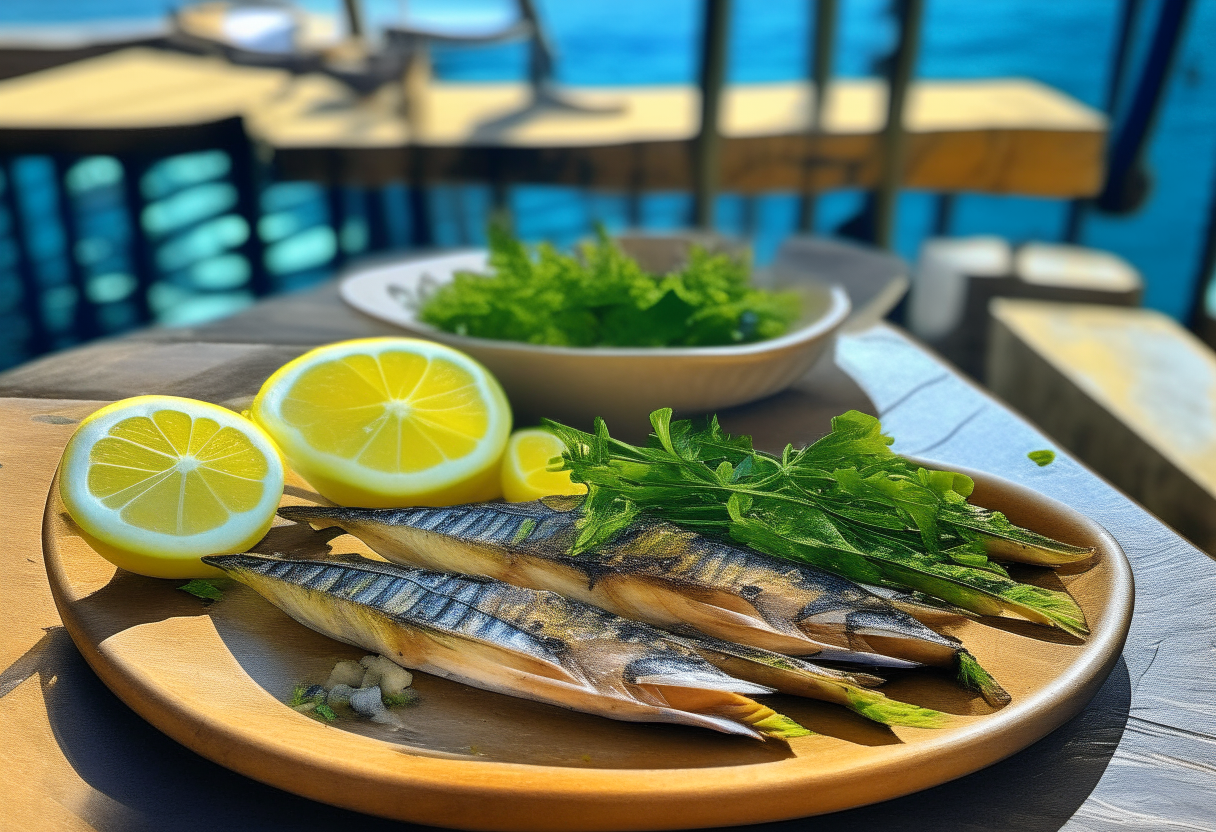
[1140, 756]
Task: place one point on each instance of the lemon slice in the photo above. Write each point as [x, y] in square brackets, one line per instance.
[384, 422]
[156, 482]
[525, 474]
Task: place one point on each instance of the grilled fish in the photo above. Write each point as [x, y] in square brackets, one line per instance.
[657, 573]
[521, 642]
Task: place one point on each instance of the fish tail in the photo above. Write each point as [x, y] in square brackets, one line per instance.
[879, 708]
[726, 709]
[319, 517]
[972, 676]
[762, 718]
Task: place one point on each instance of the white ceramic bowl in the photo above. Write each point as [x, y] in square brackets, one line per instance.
[621, 384]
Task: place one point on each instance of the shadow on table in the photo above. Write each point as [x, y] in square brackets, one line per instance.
[801, 414]
[145, 781]
[1036, 790]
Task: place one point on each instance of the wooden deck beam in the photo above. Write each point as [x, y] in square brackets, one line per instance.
[994, 136]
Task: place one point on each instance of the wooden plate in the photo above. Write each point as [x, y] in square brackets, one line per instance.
[214, 677]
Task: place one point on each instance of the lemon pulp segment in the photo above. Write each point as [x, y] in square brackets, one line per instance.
[525, 474]
[388, 421]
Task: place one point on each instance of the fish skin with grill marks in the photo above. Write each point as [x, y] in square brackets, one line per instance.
[520, 642]
[653, 572]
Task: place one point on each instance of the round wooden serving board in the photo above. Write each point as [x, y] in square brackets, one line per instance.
[215, 678]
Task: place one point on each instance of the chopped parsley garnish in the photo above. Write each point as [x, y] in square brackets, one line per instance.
[602, 297]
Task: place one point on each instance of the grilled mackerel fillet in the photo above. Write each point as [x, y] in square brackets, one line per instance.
[521, 642]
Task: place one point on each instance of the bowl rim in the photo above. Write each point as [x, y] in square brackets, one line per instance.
[835, 314]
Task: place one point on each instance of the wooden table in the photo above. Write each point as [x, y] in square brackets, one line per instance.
[1141, 756]
[997, 136]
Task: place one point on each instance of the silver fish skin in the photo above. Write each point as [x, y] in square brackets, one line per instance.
[502, 638]
[653, 572]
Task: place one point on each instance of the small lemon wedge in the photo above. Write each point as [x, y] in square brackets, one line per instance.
[156, 482]
[525, 474]
[383, 422]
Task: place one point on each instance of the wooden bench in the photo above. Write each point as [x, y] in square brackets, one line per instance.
[1128, 391]
[995, 135]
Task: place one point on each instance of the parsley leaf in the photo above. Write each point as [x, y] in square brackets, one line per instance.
[207, 590]
[1042, 458]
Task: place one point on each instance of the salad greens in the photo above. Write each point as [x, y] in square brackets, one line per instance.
[603, 298]
[846, 503]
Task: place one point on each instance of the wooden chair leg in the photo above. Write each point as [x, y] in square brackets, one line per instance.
[38, 341]
[85, 324]
[142, 264]
[246, 178]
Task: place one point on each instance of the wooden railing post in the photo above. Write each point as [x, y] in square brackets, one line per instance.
[707, 155]
[1128, 16]
[354, 18]
[822, 54]
[893, 135]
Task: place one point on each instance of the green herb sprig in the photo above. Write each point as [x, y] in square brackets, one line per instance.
[602, 297]
[846, 503]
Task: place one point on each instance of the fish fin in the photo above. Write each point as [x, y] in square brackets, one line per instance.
[731, 708]
[972, 676]
[780, 727]
[879, 708]
[867, 659]
[924, 608]
[706, 681]
[687, 672]
[716, 723]
[319, 517]
[802, 678]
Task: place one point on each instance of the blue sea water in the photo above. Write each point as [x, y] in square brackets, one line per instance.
[1067, 44]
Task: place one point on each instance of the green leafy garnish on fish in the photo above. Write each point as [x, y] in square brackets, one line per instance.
[602, 297]
[846, 503]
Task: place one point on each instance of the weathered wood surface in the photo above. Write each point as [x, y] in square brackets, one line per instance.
[1002, 136]
[1129, 391]
[1141, 756]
